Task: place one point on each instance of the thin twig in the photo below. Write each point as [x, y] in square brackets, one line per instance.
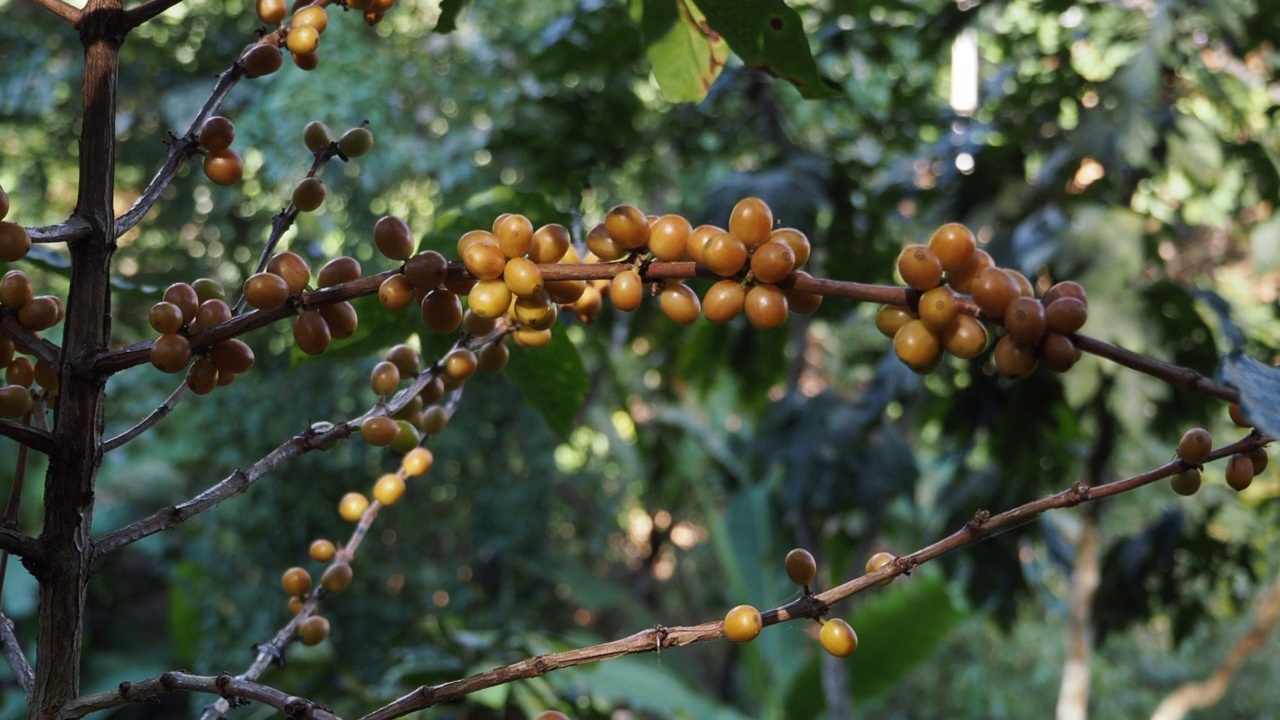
[151, 419]
[146, 691]
[15, 504]
[133, 17]
[28, 436]
[27, 341]
[77, 228]
[17, 660]
[983, 525]
[60, 9]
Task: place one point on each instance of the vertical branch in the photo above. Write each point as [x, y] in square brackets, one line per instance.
[69, 484]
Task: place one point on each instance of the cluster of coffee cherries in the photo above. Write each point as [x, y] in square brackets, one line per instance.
[297, 582]
[743, 622]
[1036, 330]
[15, 242]
[186, 308]
[752, 256]
[222, 164]
[1194, 449]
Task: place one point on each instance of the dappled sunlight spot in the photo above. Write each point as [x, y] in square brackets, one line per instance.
[662, 519]
[685, 534]
[665, 566]
[582, 616]
[964, 163]
[624, 426]
[440, 598]
[640, 411]
[395, 583]
[640, 346]
[1089, 172]
[733, 421]
[568, 531]
[464, 573]
[638, 525]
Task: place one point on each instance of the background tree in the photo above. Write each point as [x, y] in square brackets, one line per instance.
[659, 474]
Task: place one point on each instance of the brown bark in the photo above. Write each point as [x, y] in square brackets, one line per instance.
[77, 431]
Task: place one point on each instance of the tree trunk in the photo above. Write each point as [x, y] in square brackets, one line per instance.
[73, 467]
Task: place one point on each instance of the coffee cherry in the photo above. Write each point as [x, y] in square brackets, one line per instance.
[838, 638]
[1063, 289]
[494, 357]
[1195, 446]
[1186, 482]
[916, 346]
[431, 392]
[1058, 353]
[954, 245]
[669, 238]
[290, 266]
[208, 289]
[355, 142]
[549, 244]
[4, 204]
[271, 11]
[919, 267]
[396, 293]
[185, 297]
[311, 16]
[435, 419]
[217, 133]
[627, 227]
[262, 59]
[1237, 416]
[338, 271]
[170, 353]
[388, 489]
[306, 62]
[15, 401]
[742, 624]
[772, 262]
[796, 240]
[295, 605]
[15, 242]
[565, 292]
[165, 317]
[353, 504]
[801, 567]
[316, 136]
[588, 306]
[341, 318]
[522, 276]
[231, 357]
[961, 279]
[765, 307]
[1024, 318]
[406, 360]
[1014, 360]
[723, 301]
[302, 40]
[724, 254]
[1258, 457]
[309, 194]
[313, 630]
[802, 303]
[322, 550]
[15, 289]
[442, 311]
[47, 377]
[530, 338]
[379, 430]
[311, 333]
[1065, 315]
[1239, 472]
[890, 318]
[965, 338]
[426, 270]
[40, 313]
[223, 167]
[877, 561]
[393, 238]
[489, 299]
[478, 326]
[202, 376]
[416, 462]
[993, 290]
[937, 309]
[698, 240]
[751, 221]
[266, 291]
[484, 260]
[20, 372]
[460, 364]
[679, 303]
[211, 313]
[336, 577]
[296, 581]
[385, 378]
[1020, 281]
[626, 291]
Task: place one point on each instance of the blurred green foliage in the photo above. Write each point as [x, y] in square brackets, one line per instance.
[657, 475]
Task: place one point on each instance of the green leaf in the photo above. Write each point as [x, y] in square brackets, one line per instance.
[686, 56]
[640, 682]
[1259, 386]
[769, 36]
[552, 379]
[450, 10]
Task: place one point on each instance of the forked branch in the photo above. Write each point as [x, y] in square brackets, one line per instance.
[60, 9]
[225, 686]
[17, 660]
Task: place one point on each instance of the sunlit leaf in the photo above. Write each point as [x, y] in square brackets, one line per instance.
[686, 56]
[769, 36]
